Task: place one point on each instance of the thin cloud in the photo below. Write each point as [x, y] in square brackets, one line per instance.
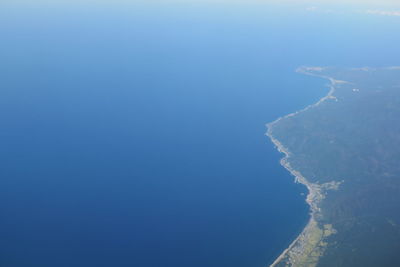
[312, 8]
[383, 12]
[320, 10]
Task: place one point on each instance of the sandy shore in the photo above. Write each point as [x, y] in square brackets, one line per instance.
[315, 191]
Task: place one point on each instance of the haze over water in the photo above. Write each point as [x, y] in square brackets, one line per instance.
[133, 134]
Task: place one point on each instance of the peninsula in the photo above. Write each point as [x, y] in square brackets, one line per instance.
[345, 149]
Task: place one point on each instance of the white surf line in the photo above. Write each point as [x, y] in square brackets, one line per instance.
[313, 189]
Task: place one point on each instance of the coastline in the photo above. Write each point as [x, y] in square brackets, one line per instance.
[310, 240]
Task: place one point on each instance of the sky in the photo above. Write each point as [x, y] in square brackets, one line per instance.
[394, 3]
[373, 7]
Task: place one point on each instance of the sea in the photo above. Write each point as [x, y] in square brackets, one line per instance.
[132, 133]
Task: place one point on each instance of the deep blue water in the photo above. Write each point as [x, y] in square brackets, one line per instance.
[133, 135]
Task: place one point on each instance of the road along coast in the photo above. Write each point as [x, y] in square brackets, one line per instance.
[308, 247]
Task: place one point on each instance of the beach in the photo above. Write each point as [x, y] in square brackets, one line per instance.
[309, 245]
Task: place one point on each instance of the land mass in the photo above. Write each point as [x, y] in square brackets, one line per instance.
[346, 150]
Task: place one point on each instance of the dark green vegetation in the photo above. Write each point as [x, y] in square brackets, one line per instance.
[353, 137]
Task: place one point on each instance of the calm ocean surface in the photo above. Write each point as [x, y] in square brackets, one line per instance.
[133, 134]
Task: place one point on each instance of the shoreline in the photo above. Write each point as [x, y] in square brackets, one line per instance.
[315, 191]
